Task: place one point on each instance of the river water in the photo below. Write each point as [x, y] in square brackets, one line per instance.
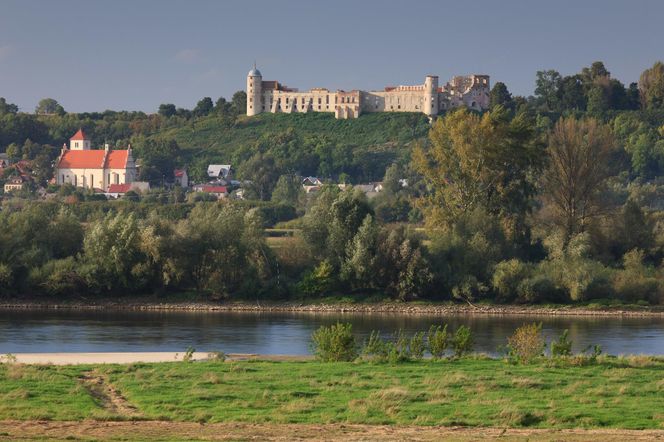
[289, 333]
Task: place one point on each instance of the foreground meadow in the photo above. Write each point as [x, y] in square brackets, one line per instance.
[616, 393]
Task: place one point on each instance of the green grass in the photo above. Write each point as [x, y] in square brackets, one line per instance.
[616, 393]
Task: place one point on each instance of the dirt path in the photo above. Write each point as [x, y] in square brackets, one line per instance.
[107, 396]
[183, 431]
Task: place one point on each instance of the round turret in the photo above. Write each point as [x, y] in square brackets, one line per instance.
[430, 106]
[254, 92]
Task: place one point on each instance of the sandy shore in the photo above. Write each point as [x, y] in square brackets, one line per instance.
[153, 304]
[133, 357]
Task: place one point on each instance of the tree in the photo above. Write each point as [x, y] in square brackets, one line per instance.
[262, 171]
[14, 151]
[475, 162]
[203, 107]
[239, 103]
[167, 110]
[500, 96]
[49, 106]
[222, 106]
[651, 86]
[598, 101]
[159, 157]
[7, 108]
[288, 190]
[391, 183]
[548, 88]
[579, 153]
[572, 96]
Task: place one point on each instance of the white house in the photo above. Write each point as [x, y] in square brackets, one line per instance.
[217, 171]
[181, 177]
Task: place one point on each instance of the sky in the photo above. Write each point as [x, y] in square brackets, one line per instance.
[93, 55]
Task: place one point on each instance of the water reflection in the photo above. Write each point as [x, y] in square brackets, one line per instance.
[288, 333]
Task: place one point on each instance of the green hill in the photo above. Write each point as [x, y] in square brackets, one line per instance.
[316, 144]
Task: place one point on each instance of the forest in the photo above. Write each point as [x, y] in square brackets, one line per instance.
[553, 198]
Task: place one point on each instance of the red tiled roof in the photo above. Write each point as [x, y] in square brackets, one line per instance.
[93, 159]
[119, 188]
[178, 173]
[82, 159]
[215, 189]
[117, 159]
[80, 135]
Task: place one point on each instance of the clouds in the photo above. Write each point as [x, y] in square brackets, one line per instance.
[5, 51]
[189, 55]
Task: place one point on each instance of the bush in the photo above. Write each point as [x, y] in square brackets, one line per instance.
[507, 278]
[334, 343]
[563, 346]
[438, 341]
[318, 281]
[375, 349]
[416, 346]
[463, 341]
[526, 343]
[399, 350]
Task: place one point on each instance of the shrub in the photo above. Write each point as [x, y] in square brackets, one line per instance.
[189, 354]
[563, 346]
[416, 346]
[318, 281]
[507, 277]
[438, 341]
[526, 343]
[334, 343]
[463, 341]
[399, 350]
[375, 349]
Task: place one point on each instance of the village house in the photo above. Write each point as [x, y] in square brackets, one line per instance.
[220, 172]
[181, 177]
[311, 184]
[218, 191]
[118, 190]
[82, 166]
[4, 161]
[15, 183]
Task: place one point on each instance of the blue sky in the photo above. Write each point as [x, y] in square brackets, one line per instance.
[134, 55]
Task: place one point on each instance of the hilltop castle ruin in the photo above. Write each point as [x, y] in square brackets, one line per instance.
[471, 91]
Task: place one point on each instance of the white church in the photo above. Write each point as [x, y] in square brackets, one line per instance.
[82, 166]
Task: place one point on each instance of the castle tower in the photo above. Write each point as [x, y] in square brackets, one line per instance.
[254, 92]
[430, 106]
[79, 141]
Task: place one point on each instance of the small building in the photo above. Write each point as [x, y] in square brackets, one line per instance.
[119, 190]
[311, 184]
[218, 191]
[181, 177]
[220, 171]
[15, 183]
[4, 161]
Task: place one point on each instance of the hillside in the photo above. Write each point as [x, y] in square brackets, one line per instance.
[316, 144]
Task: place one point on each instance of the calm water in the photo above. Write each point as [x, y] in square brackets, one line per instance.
[287, 333]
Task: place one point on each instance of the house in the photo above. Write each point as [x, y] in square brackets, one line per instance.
[4, 161]
[218, 191]
[118, 190]
[82, 166]
[311, 184]
[181, 177]
[220, 171]
[15, 183]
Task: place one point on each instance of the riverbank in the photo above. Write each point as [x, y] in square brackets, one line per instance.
[82, 358]
[332, 306]
[612, 393]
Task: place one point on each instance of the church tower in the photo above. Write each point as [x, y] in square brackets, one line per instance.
[254, 92]
[79, 141]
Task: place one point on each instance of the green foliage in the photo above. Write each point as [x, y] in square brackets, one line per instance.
[651, 86]
[417, 346]
[527, 343]
[462, 341]
[437, 341]
[334, 343]
[562, 346]
[318, 281]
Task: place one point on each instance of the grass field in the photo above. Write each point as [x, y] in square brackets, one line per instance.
[613, 393]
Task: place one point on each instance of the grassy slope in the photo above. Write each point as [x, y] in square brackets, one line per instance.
[467, 392]
[208, 136]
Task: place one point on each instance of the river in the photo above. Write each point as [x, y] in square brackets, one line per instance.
[36, 331]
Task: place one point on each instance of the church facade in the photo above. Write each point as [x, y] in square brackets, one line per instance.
[82, 166]
[429, 98]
